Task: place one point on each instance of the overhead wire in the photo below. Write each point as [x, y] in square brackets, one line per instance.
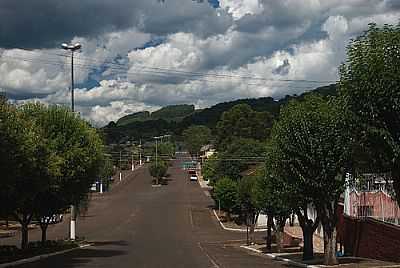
[166, 71]
[154, 73]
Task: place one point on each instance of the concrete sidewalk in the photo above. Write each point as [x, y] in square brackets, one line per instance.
[295, 231]
[294, 259]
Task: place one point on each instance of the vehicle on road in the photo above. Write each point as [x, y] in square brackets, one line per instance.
[192, 175]
[55, 218]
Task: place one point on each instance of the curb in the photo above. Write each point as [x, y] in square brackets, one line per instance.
[234, 229]
[202, 182]
[9, 234]
[41, 257]
[278, 258]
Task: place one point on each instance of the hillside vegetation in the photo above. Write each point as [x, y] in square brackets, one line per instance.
[169, 113]
[174, 119]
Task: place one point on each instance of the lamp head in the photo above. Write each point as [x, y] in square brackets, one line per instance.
[77, 46]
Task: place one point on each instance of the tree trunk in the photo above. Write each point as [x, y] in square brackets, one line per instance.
[43, 227]
[280, 232]
[291, 220]
[24, 234]
[269, 231]
[396, 186]
[228, 216]
[330, 247]
[308, 249]
[252, 228]
[308, 227]
[24, 221]
[279, 240]
[396, 180]
[328, 215]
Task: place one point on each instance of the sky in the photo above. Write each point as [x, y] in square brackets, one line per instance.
[144, 54]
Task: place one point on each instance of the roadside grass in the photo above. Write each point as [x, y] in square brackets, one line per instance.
[13, 253]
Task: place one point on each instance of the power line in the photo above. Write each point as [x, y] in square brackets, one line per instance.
[127, 73]
[167, 71]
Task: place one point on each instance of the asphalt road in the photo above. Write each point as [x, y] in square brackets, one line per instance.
[137, 225]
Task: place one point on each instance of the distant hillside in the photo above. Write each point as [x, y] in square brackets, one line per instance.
[173, 112]
[169, 113]
[136, 117]
[210, 116]
[174, 119]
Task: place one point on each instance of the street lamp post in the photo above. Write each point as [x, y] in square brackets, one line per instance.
[140, 153]
[72, 48]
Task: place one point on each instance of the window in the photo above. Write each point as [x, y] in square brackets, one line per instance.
[365, 211]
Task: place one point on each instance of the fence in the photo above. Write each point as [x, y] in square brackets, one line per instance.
[372, 196]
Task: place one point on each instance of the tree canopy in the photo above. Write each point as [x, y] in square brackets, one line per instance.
[158, 170]
[49, 158]
[25, 164]
[370, 81]
[312, 146]
[242, 122]
[195, 137]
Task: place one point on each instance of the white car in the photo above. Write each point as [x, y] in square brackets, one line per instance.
[193, 177]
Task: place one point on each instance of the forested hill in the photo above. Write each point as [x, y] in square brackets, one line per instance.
[174, 119]
[169, 113]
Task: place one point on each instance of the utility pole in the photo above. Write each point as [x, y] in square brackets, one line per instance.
[120, 168]
[72, 48]
[140, 152]
[133, 165]
[156, 152]
[101, 186]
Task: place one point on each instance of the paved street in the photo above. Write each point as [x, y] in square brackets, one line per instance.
[137, 225]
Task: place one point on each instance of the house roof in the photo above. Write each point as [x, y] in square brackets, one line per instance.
[251, 170]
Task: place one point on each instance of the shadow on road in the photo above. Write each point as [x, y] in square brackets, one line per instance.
[86, 255]
[109, 243]
[80, 257]
[166, 181]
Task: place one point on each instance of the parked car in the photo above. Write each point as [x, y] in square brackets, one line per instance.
[192, 175]
[56, 218]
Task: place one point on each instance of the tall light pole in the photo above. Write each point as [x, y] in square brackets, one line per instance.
[159, 138]
[140, 152]
[72, 48]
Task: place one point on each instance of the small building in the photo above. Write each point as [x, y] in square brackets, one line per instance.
[206, 151]
[373, 197]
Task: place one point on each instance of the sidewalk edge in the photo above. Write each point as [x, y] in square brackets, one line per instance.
[233, 229]
[278, 258]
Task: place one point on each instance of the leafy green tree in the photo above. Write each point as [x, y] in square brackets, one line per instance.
[248, 202]
[242, 122]
[225, 193]
[25, 165]
[158, 170]
[107, 171]
[209, 169]
[312, 146]
[166, 149]
[238, 157]
[274, 199]
[195, 137]
[370, 81]
[77, 152]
